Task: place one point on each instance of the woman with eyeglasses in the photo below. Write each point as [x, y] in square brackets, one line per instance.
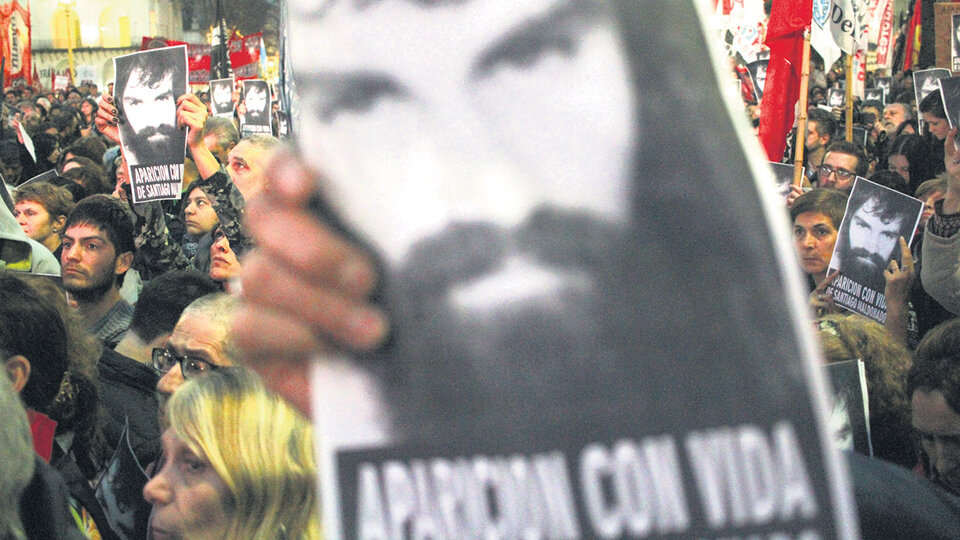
[238, 463]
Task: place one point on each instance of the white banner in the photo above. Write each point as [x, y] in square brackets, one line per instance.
[839, 25]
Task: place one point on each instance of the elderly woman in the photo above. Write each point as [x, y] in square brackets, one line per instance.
[238, 463]
[41, 209]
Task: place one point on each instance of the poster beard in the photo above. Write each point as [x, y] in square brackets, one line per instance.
[863, 266]
[142, 151]
[460, 372]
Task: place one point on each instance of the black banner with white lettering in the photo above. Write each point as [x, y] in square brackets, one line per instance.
[598, 323]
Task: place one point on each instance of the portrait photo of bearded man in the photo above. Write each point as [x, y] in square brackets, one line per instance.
[148, 84]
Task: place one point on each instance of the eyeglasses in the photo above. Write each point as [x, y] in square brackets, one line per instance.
[165, 359]
[842, 174]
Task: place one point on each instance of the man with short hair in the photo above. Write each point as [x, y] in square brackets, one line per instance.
[98, 250]
[842, 163]
[200, 342]
[160, 305]
[820, 129]
[247, 163]
[933, 385]
[220, 136]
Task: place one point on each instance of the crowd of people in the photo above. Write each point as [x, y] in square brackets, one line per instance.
[133, 382]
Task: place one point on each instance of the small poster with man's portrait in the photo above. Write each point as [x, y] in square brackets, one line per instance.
[835, 97]
[147, 86]
[221, 97]
[783, 177]
[925, 82]
[256, 100]
[868, 242]
[950, 93]
[849, 419]
[955, 42]
[875, 94]
[758, 75]
[883, 83]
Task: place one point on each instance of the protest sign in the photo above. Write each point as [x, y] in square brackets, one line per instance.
[783, 177]
[256, 100]
[868, 239]
[836, 97]
[950, 93]
[146, 89]
[875, 94]
[850, 415]
[758, 75]
[42, 177]
[575, 304]
[925, 81]
[221, 97]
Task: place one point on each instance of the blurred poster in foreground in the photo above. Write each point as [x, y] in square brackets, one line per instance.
[598, 320]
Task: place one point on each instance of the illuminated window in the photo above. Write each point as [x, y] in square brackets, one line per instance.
[114, 28]
[66, 27]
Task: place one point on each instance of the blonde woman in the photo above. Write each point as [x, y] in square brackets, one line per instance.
[238, 463]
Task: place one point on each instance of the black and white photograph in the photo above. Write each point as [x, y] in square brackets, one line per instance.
[955, 42]
[850, 411]
[950, 94]
[925, 81]
[524, 361]
[146, 89]
[836, 97]
[783, 177]
[868, 241]
[875, 94]
[221, 97]
[758, 75]
[883, 83]
[256, 100]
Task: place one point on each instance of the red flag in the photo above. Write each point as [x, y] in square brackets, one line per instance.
[788, 19]
[912, 49]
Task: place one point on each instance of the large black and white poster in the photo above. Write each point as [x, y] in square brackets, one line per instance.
[256, 100]
[869, 238]
[955, 42]
[146, 89]
[582, 315]
[950, 94]
[221, 97]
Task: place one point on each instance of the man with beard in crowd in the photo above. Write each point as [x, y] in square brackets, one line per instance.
[98, 249]
[148, 85]
[871, 240]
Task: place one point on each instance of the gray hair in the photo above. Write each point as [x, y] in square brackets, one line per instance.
[219, 309]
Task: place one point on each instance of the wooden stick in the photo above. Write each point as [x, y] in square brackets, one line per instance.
[802, 120]
[849, 100]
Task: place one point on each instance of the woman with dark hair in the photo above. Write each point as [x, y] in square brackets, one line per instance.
[88, 110]
[909, 156]
[47, 147]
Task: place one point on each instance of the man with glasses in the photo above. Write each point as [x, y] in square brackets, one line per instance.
[842, 163]
[200, 343]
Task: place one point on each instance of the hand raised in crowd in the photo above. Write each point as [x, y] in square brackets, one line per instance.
[192, 114]
[896, 293]
[107, 120]
[820, 300]
[305, 298]
[795, 191]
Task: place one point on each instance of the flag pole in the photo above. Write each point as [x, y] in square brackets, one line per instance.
[802, 106]
[849, 101]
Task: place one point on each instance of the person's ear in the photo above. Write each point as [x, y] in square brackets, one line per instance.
[18, 370]
[58, 223]
[124, 262]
